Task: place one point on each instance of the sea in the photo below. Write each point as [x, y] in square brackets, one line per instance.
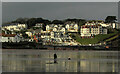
[35, 60]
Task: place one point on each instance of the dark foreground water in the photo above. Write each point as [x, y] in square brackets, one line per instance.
[42, 61]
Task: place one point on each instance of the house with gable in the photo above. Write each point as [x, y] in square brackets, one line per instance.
[72, 27]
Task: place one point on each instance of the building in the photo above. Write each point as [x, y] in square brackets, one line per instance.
[39, 25]
[15, 27]
[91, 30]
[98, 23]
[110, 25]
[72, 27]
[50, 27]
[114, 25]
[29, 33]
[11, 38]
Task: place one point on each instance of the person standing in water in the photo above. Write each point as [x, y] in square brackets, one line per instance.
[55, 58]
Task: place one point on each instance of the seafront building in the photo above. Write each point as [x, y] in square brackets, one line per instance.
[92, 30]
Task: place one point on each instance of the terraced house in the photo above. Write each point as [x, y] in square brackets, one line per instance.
[114, 25]
[91, 30]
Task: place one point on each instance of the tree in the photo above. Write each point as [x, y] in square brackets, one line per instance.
[31, 22]
[39, 20]
[110, 19]
[44, 21]
[20, 20]
[25, 35]
[57, 22]
[78, 21]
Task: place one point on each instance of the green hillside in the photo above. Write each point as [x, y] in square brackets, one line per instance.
[94, 40]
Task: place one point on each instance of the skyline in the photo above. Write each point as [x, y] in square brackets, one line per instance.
[59, 10]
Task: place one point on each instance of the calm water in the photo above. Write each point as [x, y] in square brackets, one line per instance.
[42, 61]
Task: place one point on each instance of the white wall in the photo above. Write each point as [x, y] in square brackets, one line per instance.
[4, 39]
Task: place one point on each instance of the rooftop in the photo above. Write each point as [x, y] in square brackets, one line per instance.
[8, 35]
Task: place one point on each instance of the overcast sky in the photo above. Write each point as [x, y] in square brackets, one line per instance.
[59, 10]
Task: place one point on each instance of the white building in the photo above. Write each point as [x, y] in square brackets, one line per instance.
[91, 30]
[72, 27]
[29, 34]
[39, 25]
[48, 27]
[96, 23]
[55, 28]
[112, 25]
[11, 38]
[15, 27]
[56, 33]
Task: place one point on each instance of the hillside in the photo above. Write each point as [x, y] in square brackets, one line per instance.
[96, 39]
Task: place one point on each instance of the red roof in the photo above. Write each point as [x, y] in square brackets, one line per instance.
[8, 35]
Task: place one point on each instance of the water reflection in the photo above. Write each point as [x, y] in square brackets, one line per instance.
[43, 61]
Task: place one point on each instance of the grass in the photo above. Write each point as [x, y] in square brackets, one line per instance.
[94, 40]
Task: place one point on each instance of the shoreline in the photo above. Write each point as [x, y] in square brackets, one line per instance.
[62, 50]
[30, 46]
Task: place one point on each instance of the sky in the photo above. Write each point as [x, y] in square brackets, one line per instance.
[59, 10]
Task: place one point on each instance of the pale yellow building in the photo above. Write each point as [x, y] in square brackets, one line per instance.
[91, 30]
